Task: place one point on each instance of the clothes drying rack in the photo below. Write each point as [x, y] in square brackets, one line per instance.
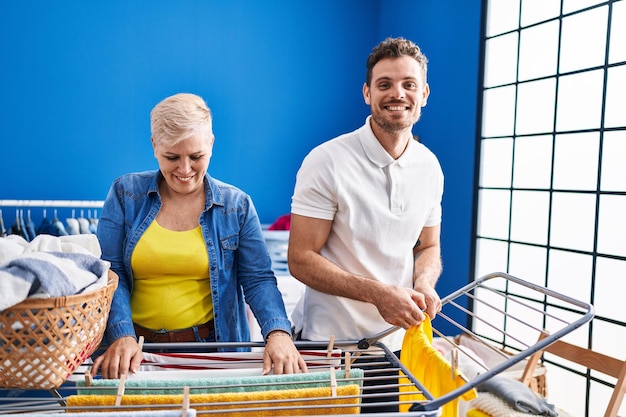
[53, 203]
[509, 316]
[58, 208]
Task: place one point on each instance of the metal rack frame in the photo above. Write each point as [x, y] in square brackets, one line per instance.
[508, 315]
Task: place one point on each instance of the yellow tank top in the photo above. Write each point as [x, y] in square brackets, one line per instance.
[171, 288]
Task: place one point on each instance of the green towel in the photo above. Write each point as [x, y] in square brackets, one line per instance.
[222, 385]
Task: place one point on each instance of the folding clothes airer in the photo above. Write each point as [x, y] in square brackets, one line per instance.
[506, 315]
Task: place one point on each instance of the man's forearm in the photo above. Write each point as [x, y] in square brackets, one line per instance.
[427, 267]
[323, 275]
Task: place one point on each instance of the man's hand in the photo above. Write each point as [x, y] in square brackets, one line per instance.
[433, 302]
[401, 306]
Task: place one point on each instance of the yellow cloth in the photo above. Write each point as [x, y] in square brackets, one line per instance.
[475, 412]
[265, 403]
[171, 287]
[430, 368]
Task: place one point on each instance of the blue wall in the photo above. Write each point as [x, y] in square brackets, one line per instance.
[79, 78]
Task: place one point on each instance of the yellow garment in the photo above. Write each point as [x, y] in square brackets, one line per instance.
[171, 287]
[277, 403]
[475, 412]
[430, 368]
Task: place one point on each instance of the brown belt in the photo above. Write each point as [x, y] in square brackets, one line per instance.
[173, 336]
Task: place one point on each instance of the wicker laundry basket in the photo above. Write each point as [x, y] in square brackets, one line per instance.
[42, 341]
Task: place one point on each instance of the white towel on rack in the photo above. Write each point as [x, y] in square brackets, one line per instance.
[49, 267]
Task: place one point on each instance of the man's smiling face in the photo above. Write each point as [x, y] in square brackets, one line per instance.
[396, 93]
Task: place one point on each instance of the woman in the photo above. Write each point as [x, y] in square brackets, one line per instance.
[187, 248]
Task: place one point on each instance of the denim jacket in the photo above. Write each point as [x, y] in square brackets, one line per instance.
[238, 258]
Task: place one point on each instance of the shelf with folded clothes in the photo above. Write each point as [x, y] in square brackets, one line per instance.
[29, 218]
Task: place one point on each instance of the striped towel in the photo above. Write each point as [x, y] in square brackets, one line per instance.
[227, 361]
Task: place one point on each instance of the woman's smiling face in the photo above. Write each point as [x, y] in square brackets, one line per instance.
[185, 164]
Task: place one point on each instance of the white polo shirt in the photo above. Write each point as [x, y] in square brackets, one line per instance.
[378, 206]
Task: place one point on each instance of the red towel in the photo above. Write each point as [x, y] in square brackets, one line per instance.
[282, 223]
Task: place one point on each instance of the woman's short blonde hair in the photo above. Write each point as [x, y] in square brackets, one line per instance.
[179, 117]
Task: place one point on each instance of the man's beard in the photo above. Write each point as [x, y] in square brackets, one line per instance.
[392, 126]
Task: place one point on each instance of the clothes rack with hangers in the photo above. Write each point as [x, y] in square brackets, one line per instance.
[61, 210]
[53, 203]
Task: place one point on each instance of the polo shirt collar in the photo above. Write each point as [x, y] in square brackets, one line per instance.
[378, 155]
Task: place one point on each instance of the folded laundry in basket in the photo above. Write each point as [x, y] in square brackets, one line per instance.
[49, 274]
[158, 413]
[292, 402]
[221, 385]
[13, 246]
[518, 396]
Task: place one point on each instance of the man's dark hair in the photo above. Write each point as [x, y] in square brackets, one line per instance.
[394, 48]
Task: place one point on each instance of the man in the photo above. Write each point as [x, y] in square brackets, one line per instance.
[366, 213]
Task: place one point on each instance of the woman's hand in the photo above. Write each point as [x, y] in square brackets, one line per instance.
[281, 353]
[122, 356]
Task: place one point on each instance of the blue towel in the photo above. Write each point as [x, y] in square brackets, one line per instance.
[48, 274]
[518, 396]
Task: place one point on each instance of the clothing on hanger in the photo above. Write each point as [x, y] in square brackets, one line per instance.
[29, 226]
[72, 224]
[18, 227]
[83, 223]
[52, 227]
[58, 226]
[3, 231]
[93, 221]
